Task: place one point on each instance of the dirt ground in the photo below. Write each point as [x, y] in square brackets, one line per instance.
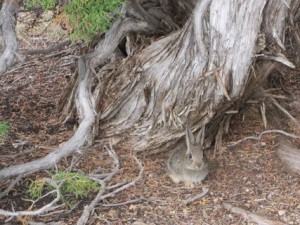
[247, 175]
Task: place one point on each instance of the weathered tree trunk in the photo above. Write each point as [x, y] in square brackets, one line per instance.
[200, 74]
[193, 76]
[214, 57]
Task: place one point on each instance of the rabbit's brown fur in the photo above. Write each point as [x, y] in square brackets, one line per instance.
[188, 165]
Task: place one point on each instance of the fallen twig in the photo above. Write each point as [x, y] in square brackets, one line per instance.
[196, 197]
[101, 196]
[251, 217]
[48, 50]
[263, 133]
[124, 203]
[11, 186]
[51, 223]
[45, 208]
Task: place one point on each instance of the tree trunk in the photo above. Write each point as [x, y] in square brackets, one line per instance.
[202, 73]
[192, 76]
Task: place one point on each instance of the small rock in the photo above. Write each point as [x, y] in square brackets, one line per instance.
[139, 223]
[247, 205]
[230, 216]
[185, 212]
[132, 207]
[281, 212]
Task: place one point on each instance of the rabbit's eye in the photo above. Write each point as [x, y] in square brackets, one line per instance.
[190, 156]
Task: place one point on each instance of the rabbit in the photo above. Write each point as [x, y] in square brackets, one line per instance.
[189, 165]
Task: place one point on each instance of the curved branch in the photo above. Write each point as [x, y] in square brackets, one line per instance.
[42, 210]
[84, 100]
[85, 104]
[113, 37]
[7, 21]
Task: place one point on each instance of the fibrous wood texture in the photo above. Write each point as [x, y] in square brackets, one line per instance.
[192, 75]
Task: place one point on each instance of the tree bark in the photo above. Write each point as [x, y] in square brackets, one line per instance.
[8, 37]
[192, 76]
[200, 74]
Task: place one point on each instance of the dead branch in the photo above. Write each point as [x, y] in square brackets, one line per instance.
[11, 186]
[48, 50]
[263, 133]
[85, 102]
[51, 223]
[251, 217]
[46, 208]
[101, 196]
[282, 109]
[196, 197]
[137, 200]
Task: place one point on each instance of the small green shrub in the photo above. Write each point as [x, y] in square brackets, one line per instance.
[45, 4]
[4, 126]
[73, 184]
[89, 17]
[36, 188]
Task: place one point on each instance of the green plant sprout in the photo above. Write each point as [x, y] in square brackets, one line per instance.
[73, 184]
[4, 127]
[36, 188]
[45, 4]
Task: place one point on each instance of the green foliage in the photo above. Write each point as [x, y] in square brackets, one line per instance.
[36, 188]
[73, 184]
[4, 126]
[45, 4]
[89, 17]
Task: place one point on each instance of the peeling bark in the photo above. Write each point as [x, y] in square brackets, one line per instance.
[8, 34]
[194, 75]
[211, 58]
[152, 95]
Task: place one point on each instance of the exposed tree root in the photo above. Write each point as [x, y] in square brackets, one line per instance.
[263, 133]
[11, 186]
[48, 50]
[7, 23]
[105, 193]
[49, 207]
[251, 217]
[192, 76]
[196, 197]
[79, 139]
[101, 195]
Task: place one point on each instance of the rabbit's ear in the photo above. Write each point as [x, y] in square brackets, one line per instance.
[189, 137]
[200, 136]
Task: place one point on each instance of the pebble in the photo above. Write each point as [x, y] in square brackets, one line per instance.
[281, 212]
